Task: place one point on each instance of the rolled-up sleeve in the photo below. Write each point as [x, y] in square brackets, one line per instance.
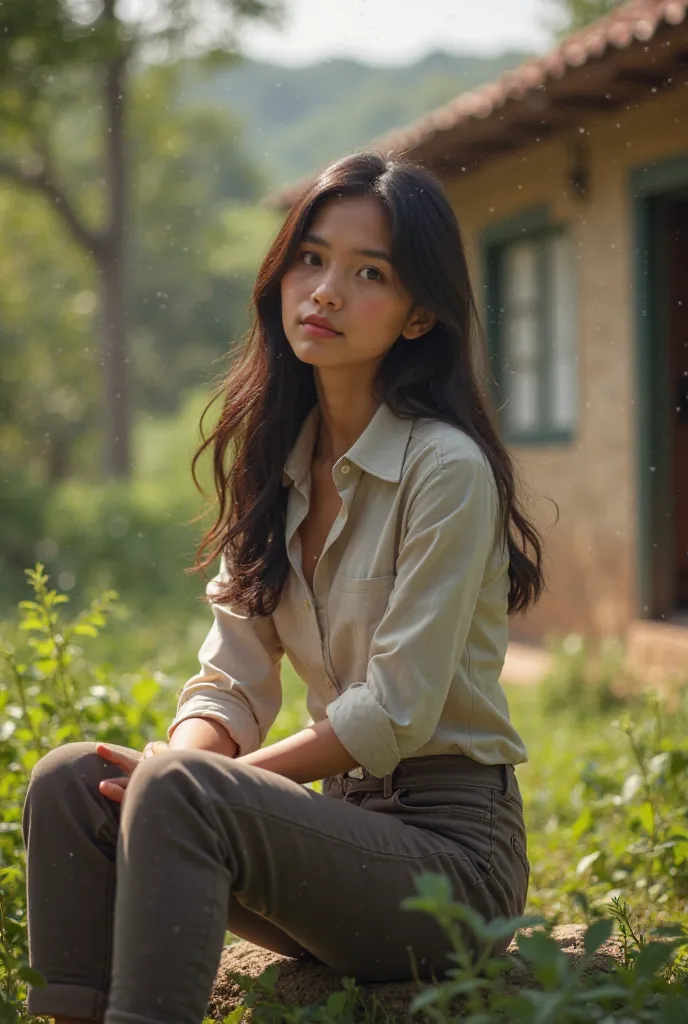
[417, 646]
[239, 680]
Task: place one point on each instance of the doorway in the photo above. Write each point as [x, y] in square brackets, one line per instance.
[677, 336]
[662, 324]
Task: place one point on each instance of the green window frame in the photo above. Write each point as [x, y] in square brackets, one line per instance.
[531, 299]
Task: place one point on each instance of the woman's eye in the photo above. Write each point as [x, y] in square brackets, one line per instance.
[311, 259]
[371, 274]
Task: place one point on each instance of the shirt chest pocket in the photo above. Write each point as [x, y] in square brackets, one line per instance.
[356, 609]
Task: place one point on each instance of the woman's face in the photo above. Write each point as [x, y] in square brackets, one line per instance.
[341, 302]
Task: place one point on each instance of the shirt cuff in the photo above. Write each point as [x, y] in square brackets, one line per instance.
[239, 723]
[363, 727]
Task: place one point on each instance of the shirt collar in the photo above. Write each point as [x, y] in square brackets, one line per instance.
[379, 450]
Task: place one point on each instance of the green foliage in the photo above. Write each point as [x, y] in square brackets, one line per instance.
[483, 982]
[605, 807]
[583, 682]
[48, 385]
[65, 72]
[197, 238]
[634, 822]
[539, 986]
[261, 1004]
[50, 694]
[136, 536]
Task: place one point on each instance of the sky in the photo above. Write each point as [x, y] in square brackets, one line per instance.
[398, 31]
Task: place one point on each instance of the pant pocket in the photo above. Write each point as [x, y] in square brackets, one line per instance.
[520, 851]
[463, 814]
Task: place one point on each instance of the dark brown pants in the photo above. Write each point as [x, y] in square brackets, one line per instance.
[128, 907]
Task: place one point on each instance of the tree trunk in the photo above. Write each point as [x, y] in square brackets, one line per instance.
[112, 267]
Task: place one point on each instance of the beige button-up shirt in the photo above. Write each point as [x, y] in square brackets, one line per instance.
[402, 640]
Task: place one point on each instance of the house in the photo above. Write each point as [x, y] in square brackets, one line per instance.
[569, 177]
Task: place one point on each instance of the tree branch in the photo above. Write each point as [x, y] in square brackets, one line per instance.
[42, 180]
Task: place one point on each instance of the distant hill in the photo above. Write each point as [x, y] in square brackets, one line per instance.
[296, 119]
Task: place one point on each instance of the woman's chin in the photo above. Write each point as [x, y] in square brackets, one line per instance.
[315, 353]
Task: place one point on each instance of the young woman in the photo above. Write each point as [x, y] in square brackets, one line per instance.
[369, 529]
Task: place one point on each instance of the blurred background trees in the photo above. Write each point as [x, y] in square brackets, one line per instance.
[66, 72]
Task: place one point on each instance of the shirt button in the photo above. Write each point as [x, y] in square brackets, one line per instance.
[345, 468]
[306, 604]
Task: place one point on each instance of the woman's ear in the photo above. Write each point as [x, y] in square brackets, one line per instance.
[419, 323]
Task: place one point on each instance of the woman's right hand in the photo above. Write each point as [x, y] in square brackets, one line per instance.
[115, 789]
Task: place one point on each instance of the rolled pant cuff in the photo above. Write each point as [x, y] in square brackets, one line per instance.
[55, 1000]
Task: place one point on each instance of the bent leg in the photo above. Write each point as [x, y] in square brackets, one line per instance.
[70, 834]
[199, 829]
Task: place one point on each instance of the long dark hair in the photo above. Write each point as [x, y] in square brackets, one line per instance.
[268, 391]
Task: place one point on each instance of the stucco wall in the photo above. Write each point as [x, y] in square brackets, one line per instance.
[592, 550]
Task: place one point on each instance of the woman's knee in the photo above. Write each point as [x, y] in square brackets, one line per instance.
[181, 771]
[72, 762]
[64, 760]
[169, 766]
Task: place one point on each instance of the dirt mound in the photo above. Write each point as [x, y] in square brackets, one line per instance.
[301, 982]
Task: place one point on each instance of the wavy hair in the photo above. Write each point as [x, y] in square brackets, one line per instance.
[268, 392]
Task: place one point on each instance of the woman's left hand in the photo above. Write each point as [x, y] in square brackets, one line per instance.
[115, 789]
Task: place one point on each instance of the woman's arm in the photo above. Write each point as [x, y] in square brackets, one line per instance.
[308, 755]
[311, 754]
[203, 734]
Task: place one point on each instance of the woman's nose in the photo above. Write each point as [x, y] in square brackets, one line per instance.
[326, 293]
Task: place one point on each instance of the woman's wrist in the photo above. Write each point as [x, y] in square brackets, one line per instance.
[203, 734]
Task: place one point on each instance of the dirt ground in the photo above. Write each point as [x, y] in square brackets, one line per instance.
[301, 982]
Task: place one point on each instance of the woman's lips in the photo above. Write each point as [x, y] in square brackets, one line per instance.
[318, 331]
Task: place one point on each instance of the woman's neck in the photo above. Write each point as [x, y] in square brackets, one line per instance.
[344, 415]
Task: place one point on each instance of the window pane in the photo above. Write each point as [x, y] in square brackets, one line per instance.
[563, 364]
[522, 409]
[522, 344]
[521, 273]
[521, 331]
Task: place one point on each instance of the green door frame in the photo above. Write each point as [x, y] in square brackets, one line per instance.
[650, 186]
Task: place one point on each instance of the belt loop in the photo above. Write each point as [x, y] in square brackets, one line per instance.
[387, 786]
[505, 779]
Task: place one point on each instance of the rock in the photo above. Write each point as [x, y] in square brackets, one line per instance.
[302, 982]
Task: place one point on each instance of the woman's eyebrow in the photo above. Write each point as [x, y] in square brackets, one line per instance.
[376, 254]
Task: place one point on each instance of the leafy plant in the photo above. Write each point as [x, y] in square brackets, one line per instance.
[634, 821]
[540, 985]
[49, 695]
[608, 837]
